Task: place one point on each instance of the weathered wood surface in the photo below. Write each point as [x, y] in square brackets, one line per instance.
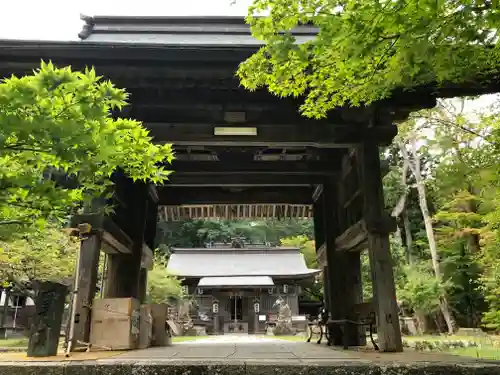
[114, 239]
[86, 287]
[353, 238]
[123, 276]
[46, 325]
[384, 290]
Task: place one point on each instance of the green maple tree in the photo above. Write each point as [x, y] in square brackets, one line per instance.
[60, 145]
[365, 49]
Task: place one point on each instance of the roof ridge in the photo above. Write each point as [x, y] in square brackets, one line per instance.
[233, 249]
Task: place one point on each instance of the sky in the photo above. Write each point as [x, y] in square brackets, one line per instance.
[60, 19]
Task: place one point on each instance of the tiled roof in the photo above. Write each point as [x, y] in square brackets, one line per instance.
[185, 31]
[212, 262]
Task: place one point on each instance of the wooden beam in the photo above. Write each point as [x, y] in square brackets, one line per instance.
[234, 179]
[354, 238]
[321, 255]
[255, 167]
[170, 196]
[314, 134]
[114, 239]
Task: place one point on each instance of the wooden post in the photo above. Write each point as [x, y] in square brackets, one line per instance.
[85, 287]
[46, 327]
[336, 268]
[123, 279]
[354, 294]
[344, 272]
[384, 291]
[143, 285]
[319, 240]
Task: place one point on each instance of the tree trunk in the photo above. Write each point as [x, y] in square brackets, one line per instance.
[424, 208]
[400, 210]
[408, 237]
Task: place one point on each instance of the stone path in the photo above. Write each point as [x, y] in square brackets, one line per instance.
[250, 349]
[240, 348]
[250, 355]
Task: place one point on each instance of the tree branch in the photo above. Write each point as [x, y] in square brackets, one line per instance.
[11, 222]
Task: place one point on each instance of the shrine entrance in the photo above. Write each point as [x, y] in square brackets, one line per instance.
[239, 154]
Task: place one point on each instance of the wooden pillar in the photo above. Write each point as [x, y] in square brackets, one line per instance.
[354, 294]
[143, 285]
[319, 240]
[335, 269]
[85, 287]
[151, 218]
[123, 279]
[344, 272]
[384, 291]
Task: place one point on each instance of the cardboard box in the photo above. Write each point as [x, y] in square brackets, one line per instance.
[115, 324]
[145, 327]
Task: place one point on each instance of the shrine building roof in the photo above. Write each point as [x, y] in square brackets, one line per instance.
[228, 262]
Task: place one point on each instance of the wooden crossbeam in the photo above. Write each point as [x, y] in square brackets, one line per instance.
[216, 195]
[242, 179]
[314, 134]
[255, 167]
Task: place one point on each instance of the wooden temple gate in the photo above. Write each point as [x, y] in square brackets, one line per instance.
[236, 151]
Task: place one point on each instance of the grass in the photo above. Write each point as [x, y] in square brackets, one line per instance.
[18, 342]
[486, 348]
[296, 338]
[481, 353]
[435, 338]
[187, 338]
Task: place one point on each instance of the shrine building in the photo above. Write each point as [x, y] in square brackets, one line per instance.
[236, 289]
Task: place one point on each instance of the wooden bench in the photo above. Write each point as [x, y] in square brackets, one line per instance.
[364, 316]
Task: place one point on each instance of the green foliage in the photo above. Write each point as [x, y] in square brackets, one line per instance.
[60, 144]
[459, 149]
[197, 233]
[162, 287]
[365, 50]
[41, 255]
[421, 290]
[306, 246]
[314, 290]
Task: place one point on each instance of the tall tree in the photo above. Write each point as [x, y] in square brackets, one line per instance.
[365, 50]
[414, 164]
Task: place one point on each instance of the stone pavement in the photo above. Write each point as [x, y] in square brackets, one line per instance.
[250, 355]
[266, 350]
[237, 348]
